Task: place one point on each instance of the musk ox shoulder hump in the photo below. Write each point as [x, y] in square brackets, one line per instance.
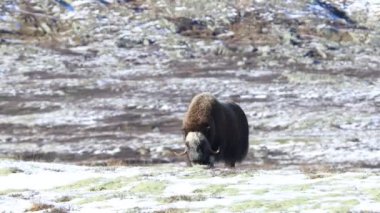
[200, 110]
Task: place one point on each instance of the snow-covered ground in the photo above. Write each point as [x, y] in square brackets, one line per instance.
[177, 188]
[109, 85]
[117, 83]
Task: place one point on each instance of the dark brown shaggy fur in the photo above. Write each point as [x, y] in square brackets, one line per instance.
[224, 125]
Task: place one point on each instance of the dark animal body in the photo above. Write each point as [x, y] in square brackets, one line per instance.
[215, 131]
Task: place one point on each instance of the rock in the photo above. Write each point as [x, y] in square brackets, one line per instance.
[143, 151]
[336, 35]
[317, 51]
[264, 50]
[377, 101]
[131, 42]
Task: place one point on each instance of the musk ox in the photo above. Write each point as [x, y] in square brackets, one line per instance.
[214, 131]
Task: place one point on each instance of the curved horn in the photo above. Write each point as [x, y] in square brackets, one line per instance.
[214, 152]
[182, 153]
[211, 150]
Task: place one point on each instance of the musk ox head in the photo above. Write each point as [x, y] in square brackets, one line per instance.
[198, 148]
[199, 130]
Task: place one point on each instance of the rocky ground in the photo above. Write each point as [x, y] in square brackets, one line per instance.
[97, 84]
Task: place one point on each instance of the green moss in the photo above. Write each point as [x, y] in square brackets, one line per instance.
[8, 171]
[301, 187]
[333, 195]
[197, 172]
[284, 141]
[149, 187]
[80, 184]
[93, 199]
[246, 205]
[331, 204]
[214, 209]
[375, 194]
[327, 198]
[246, 176]
[172, 210]
[117, 183]
[255, 141]
[287, 204]
[316, 206]
[217, 189]
[111, 185]
[260, 191]
[344, 206]
[188, 198]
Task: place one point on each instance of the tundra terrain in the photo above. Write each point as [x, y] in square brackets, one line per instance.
[92, 96]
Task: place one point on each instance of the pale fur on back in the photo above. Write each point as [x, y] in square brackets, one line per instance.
[199, 110]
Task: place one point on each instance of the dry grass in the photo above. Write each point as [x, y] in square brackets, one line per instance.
[48, 207]
[39, 206]
[316, 171]
[59, 210]
[171, 210]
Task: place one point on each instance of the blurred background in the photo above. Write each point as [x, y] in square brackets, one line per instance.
[105, 82]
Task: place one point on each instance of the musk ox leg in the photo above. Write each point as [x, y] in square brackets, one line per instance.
[230, 164]
[212, 161]
[188, 161]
